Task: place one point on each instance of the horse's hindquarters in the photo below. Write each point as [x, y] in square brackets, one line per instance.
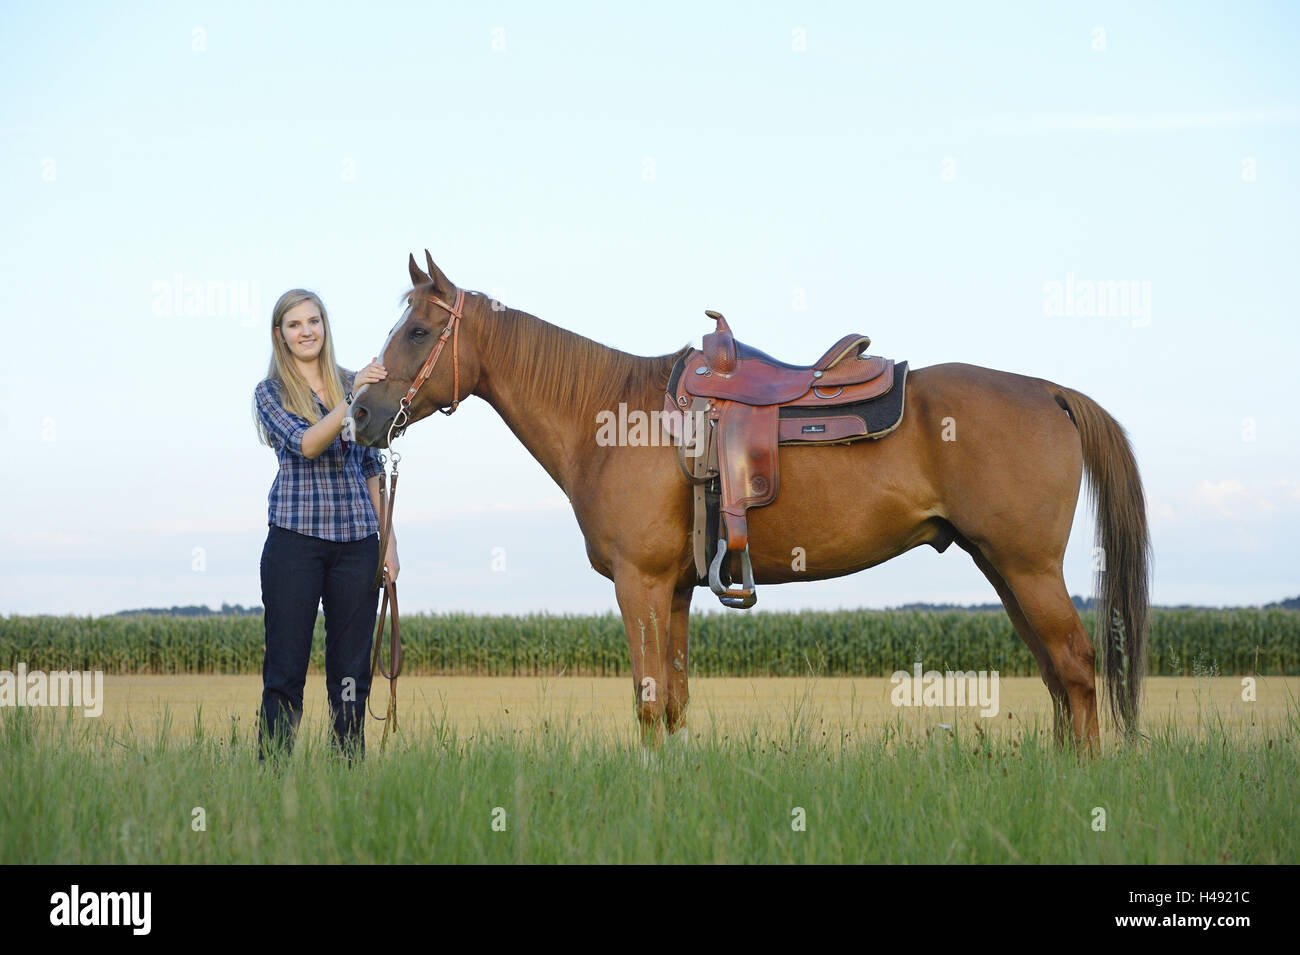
[983, 453]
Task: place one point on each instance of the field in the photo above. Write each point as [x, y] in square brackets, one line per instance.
[517, 743]
[488, 769]
[853, 643]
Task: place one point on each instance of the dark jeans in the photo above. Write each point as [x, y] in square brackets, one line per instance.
[298, 573]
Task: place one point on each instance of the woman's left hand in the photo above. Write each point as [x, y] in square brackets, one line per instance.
[372, 373]
[390, 562]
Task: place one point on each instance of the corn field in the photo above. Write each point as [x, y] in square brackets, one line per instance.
[840, 643]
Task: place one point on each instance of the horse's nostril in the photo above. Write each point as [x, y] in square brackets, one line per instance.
[359, 415]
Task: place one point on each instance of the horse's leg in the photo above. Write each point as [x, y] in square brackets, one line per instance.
[678, 693]
[1012, 492]
[1046, 666]
[646, 604]
[1050, 613]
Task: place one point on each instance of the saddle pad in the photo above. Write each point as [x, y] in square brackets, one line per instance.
[873, 418]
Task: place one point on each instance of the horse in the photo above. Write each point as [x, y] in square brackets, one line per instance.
[1004, 492]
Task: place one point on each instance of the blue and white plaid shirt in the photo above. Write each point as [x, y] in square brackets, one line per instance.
[324, 496]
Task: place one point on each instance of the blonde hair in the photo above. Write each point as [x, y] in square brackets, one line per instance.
[295, 393]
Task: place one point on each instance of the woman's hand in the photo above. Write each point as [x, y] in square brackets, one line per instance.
[391, 563]
[373, 372]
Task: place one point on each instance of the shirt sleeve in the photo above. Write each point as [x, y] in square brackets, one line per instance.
[370, 465]
[282, 425]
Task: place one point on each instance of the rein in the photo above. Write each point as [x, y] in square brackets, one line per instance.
[396, 428]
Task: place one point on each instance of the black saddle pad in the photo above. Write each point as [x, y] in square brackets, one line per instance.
[880, 415]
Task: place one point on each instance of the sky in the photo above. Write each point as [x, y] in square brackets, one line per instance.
[935, 177]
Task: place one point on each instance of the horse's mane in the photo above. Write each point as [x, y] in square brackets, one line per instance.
[556, 365]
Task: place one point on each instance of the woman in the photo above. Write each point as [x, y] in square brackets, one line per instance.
[323, 542]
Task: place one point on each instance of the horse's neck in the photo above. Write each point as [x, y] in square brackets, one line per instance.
[536, 376]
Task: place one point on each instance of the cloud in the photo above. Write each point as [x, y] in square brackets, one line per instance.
[1131, 122]
[1230, 498]
[1221, 497]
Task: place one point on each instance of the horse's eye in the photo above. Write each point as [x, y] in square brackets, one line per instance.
[418, 333]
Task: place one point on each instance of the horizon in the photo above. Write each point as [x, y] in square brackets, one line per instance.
[241, 610]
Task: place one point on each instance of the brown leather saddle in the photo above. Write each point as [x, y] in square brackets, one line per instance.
[753, 403]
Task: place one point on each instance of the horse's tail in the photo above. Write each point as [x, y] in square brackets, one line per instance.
[1123, 579]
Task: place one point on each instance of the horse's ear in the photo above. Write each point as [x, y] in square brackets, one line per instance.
[440, 281]
[417, 277]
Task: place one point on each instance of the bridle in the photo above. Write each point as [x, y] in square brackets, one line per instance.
[452, 331]
[402, 419]
[396, 428]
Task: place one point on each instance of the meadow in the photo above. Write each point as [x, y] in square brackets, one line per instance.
[517, 743]
[485, 770]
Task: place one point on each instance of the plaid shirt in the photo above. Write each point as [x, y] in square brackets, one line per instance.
[324, 496]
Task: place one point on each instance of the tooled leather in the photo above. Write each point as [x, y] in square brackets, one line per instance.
[746, 407]
[747, 448]
[838, 352]
[758, 383]
[856, 371]
[827, 392]
[720, 348]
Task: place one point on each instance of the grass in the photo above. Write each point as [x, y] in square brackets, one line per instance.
[80, 795]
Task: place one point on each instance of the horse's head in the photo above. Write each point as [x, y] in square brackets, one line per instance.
[431, 361]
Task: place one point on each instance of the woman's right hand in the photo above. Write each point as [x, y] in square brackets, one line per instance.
[372, 373]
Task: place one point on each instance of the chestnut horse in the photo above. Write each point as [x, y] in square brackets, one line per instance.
[988, 459]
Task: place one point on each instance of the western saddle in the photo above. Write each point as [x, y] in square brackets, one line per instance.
[752, 404]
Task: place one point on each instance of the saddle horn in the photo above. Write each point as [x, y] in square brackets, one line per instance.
[719, 345]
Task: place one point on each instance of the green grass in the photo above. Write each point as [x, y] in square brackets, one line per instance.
[839, 643]
[77, 794]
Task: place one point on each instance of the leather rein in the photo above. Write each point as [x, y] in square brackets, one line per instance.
[395, 430]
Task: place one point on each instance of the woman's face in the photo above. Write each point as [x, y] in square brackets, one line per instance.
[304, 331]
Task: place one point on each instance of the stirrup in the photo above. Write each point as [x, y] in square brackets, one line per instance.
[739, 599]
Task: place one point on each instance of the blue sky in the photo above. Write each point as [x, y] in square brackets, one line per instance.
[922, 175]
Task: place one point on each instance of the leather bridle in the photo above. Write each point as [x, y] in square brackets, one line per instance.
[452, 331]
[399, 424]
